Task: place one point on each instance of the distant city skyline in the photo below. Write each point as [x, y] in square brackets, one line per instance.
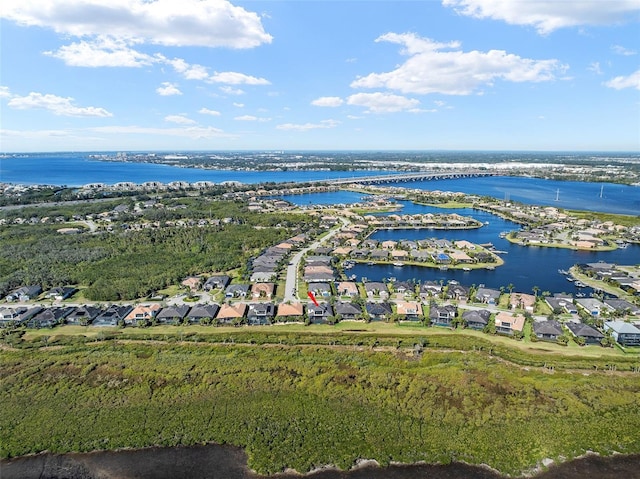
[162, 75]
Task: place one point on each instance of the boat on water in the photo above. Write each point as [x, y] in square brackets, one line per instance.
[398, 264]
[370, 263]
[490, 268]
[563, 271]
[503, 234]
[466, 268]
[580, 284]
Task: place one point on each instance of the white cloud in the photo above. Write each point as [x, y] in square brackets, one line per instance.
[620, 50]
[4, 92]
[238, 105]
[168, 89]
[234, 78]
[231, 91]
[383, 102]
[595, 68]
[208, 23]
[622, 82]
[56, 104]
[180, 119]
[309, 126]
[547, 16]
[188, 71]
[101, 52]
[429, 69]
[206, 111]
[251, 118]
[329, 101]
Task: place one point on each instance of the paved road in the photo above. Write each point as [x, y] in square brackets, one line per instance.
[291, 284]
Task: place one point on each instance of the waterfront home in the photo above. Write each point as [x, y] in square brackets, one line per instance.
[231, 313]
[24, 293]
[347, 288]
[321, 314]
[83, 315]
[560, 304]
[457, 291]
[263, 290]
[522, 301]
[112, 316]
[626, 334]
[507, 323]
[290, 312]
[549, 330]
[622, 306]
[348, 311]
[593, 306]
[216, 282]
[419, 255]
[442, 315]
[314, 274]
[379, 254]
[359, 253]
[236, 291]
[441, 258]
[404, 288]
[60, 293]
[49, 317]
[429, 289]
[172, 314]
[376, 289]
[476, 319]
[142, 312]
[260, 313]
[379, 311]
[589, 334]
[409, 310]
[202, 313]
[488, 295]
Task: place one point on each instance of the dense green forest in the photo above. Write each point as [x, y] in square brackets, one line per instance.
[302, 406]
[127, 264]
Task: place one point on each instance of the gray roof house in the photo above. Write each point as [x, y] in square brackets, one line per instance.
[216, 282]
[588, 333]
[379, 311]
[61, 293]
[319, 314]
[320, 289]
[488, 295]
[261, 313]
[83, 315]
[562, 304]
[442, 315]
[626, 334]
[172, 314]
[48, 318]
[549, 330]
[476, 319]
[24, 293]
[236, 291]
[17, 316]
[348, 311]
[622, 306]
[375, 288]
[200, 313]
[112, 315]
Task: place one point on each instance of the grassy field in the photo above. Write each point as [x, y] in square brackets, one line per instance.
[305, 405]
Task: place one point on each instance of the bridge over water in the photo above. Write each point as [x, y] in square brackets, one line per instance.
[407, 177]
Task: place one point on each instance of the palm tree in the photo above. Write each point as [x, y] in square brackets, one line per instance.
[535, 291]
[510, 287]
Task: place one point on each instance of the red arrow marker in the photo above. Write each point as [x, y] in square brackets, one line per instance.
[313, 298]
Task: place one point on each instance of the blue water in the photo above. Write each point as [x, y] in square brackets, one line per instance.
[77, 170]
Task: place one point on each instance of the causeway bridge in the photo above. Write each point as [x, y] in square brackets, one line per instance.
[407, 177]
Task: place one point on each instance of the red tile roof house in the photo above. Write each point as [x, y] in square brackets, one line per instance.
[409, 310]
[142, 312]
[263, 290]
[347, 288]
[230, 312]
[290, 312]
[507, 323]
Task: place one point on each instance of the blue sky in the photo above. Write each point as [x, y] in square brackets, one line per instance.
[90, 75]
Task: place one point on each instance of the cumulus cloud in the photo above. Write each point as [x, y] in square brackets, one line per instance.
[623, 82]
[168, 89]
[251, 118]
[309, 126]
[180, 119]
[234, 78]
[227, 90]
[101, 52]
[383, 102]
[187, 70]
[547, 16]
[207, 111]
[442, 68]
[329, 101]
[207, 23]
[4, 92]
[56, 104]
